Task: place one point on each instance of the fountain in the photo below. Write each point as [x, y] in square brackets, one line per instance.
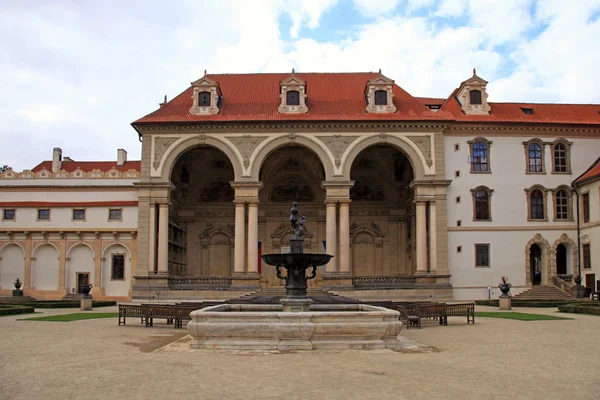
[297, 324]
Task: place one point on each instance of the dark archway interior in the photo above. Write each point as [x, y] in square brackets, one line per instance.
[561, 259]
[535, 258]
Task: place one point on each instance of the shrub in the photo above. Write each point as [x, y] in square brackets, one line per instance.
[581, 308]
[66, 304]
[7, 309]
[530, 303]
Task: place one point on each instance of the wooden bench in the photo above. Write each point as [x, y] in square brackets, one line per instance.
[132, 311]
[410, 317]
[174, 314]
[459, 310]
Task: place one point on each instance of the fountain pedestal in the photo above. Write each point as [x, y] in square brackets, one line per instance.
[300, 304]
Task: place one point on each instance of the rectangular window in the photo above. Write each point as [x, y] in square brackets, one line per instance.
[44, 214]
[482, 255]
[587, 260]
[118, 267]
[585, 200]
[114, 214]
[79, 214]
[8, 214]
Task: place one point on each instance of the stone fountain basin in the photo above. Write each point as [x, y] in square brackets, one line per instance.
[308, 259]
[267, 327]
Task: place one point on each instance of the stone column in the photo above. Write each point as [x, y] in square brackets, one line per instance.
[27, 272]
[240, 222]
[62, 263]
[97, 289]
[421, 237]
[331, 235]
[163, 240]
[432, 237]
[152, 240]
[252, 238]
[344, 266]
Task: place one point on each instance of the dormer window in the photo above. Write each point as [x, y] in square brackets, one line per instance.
[475, 96]
[292, 98]
[379, 95]
[472, 96]
[293, 95]
[205, 97]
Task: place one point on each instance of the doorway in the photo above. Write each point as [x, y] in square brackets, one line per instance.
[561, 259]
[535, 260]
[83, 278]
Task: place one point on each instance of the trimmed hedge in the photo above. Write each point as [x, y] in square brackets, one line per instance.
[530, 303]
[66, 304]
[7, 309]
[581, 308]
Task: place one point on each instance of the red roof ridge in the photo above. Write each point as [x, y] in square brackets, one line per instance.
[592, 172]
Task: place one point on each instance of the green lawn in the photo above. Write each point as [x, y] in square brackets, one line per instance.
[72, 317]
[517, 315]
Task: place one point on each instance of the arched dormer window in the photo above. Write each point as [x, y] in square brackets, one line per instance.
[204, 99]
[563, 203]
[536, 203]
[561, 157]
[475, 97]
[534, 153]
[381, 97]
[482, 203]
[292, 98]
[480, 155]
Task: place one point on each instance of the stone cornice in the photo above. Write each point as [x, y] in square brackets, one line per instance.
[519, 129]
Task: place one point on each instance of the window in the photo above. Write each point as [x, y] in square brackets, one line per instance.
[204, 99]
[482, 205]
[114, 214]
[457, 199]
[587, 261]
[475, 96]
[79, 214]
[381, 97]
[9, 214]
[456, 147]
[535, 158]
[585, 204]
[482, 255]
[292, 98]
[480, 155]
[457, 174]
[560, 158]
[459, 222]
[528, 111]
[43, 214]
[117, 271]
[459, 249]
[537, 204]
[562, 204]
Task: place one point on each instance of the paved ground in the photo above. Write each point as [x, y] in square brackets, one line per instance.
[494, 359]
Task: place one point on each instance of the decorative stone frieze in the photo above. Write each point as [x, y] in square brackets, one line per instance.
[337, 144]
[161, 144]
[424, 144]
[246, 145]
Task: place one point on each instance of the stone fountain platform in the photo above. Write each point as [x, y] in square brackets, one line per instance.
[267, 327]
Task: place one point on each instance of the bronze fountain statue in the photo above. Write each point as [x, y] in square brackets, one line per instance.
[297, 261]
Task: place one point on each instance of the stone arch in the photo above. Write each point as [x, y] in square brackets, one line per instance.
[115, 287]
[45, 243]
[401, 144]
[269, 146]
[45, 267]
[569, 244]
[174, 152]
[10, 244]
[80, 260]
[12, 265]
[546, 255]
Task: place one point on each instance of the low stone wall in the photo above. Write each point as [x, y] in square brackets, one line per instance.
[267, 327]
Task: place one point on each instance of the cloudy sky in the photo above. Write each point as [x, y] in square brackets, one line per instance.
[74, 74]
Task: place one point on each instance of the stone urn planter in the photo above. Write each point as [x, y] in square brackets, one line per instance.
[18, 284]
[504, 285]
[17, 291]
[85, 289]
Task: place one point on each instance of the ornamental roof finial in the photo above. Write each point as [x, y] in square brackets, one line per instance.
[293, 70]
[474, 72]
[380, 70]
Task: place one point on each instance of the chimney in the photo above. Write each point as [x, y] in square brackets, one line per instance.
[56, 159]
[121, 157]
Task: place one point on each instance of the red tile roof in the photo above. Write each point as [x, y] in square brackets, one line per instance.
[591, 173]
[576, 114]
[88, 166]
[60, 204]
[340, 97]
[255, 98]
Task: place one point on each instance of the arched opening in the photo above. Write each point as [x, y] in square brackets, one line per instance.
[290, 174]
[202, 199]
[561, 260]
[116, 270]
[80, 268]
[535, 261]
[12, 266]
[381, 213]
[45, 268]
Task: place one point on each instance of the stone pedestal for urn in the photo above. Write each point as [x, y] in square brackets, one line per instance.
[505, 301]
[86, 303]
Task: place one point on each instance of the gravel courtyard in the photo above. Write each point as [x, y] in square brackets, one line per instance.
[493, 359]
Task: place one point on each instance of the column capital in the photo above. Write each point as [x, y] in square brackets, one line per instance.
[162, 204]
[421, 200]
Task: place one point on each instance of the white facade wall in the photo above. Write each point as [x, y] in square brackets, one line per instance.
[45, 268]
[12, 265]
[62, 218]
[509, 231]
[80, 260]
[71, 196]
[590, 232]
[115, 287]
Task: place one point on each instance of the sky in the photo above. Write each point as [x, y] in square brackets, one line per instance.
[75, 73]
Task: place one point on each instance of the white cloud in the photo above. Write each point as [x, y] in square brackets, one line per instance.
[309, 11]
[451, 8]
[372, 8]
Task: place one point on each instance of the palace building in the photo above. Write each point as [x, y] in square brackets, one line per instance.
[417, 198]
